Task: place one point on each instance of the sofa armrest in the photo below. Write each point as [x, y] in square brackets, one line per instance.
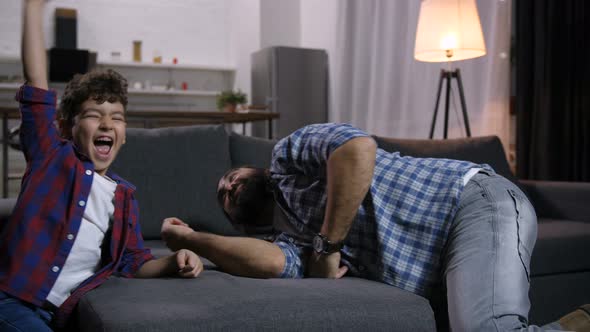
[559, 200]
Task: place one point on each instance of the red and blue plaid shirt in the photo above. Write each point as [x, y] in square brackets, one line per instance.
[39, 235]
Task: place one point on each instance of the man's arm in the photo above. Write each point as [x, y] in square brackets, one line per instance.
[240, 256]
[349, 176]
[33, 52]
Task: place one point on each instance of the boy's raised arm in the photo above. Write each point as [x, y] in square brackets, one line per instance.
[33, 52]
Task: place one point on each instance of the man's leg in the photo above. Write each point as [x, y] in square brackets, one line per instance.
[486, 265]
[16, 316]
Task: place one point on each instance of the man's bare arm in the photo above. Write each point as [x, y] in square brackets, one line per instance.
[33, 52]
[240, 256]
[349, 176]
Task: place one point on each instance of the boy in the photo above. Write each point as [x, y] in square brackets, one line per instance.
[75, 223]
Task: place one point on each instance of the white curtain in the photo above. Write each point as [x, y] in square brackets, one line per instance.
[378, 86]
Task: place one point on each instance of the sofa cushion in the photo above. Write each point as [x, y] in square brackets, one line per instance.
[559, 200]
[553, 296]
[176, 171]
[480, 150]
[562, 246]
[218, 301]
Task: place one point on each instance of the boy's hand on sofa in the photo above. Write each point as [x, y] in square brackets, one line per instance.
[184, 263]
[174, 231]
[188, 263]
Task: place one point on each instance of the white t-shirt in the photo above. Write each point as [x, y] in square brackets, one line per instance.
[470, 174]
[84, 258]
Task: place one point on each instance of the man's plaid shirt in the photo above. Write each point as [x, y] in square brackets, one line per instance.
[402, 225]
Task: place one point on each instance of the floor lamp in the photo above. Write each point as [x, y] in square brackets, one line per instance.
[449, 30]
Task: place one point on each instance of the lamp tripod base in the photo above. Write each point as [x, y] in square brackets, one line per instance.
[446, 75]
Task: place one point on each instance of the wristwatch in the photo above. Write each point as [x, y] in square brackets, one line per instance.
[323, 246]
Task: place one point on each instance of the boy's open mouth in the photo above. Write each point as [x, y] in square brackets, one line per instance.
[103, 145]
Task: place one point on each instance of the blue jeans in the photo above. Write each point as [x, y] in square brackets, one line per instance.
[19, 316]
[486, 264]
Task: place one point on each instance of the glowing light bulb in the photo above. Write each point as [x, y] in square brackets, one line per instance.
[448, 42]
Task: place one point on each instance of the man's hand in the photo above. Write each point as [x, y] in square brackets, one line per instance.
[174, 231]
[325, 266]
[188, 263]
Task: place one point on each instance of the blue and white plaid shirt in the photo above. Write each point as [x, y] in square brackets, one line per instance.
[402, 225]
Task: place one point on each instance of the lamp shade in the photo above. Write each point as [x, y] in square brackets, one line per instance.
[448, 30]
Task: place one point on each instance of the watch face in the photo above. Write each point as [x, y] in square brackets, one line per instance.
[318, 244]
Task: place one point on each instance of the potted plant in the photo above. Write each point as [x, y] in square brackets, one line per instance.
[228, 100]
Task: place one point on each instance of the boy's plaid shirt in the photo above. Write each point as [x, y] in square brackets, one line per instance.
[36, 240]
[400, 229]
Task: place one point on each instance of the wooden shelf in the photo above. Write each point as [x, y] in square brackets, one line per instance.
[142, 92]
[198, 116]
[130, 64]
[15, 176]
[12, 86]
[146, 92]
[10, 59]
[168, 66]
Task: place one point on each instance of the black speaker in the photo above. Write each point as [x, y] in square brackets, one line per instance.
[66, 28]
[65, 63]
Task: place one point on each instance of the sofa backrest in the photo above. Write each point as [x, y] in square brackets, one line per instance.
[176, 171]
[480, 150]
[251, 151]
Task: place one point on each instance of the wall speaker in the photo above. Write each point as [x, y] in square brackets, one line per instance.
[65, 63]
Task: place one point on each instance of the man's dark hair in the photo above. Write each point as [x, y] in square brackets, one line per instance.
[100, 85]
[250, 206]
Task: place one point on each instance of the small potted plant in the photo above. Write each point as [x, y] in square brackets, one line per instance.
[229, 100]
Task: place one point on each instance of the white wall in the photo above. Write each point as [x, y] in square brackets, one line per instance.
[10, 21]
[280, 23]
[194, 31]
[319, 23]
[244, 39]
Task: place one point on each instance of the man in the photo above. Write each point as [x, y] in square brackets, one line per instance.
[408, 222]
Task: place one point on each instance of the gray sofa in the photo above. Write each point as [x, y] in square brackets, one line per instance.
[176, 172]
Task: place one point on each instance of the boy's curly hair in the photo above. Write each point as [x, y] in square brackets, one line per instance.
[100, 85]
